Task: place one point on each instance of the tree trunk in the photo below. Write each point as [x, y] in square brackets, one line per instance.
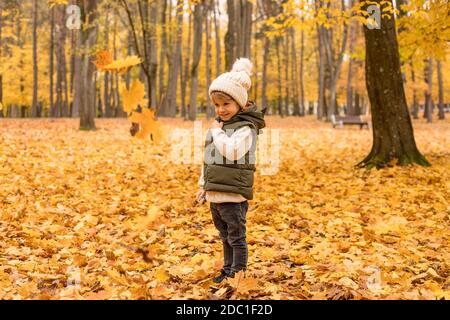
[428, 114]
[62, 108]
[86, 91]
[286, 74]
[264, 100]
[217, 36]
[198, 28]
[280, 105]
[349, 108]
[162, 60]
[255, 78]
[185, 74]
[52, 49]
[20, 109]
[357, 106]
[153, 54]
[118, 107]
[77, 77]
[34, 106]
[302, 62]
[245, 29]
[441, 113]
[209, 108]
[294, 69]
[415, 107]
[337, 67]
[72, 68]
[321, 74]
[107, 76]
[171, 101]
[98, 97]
[1, 77]
[230, 36]
[393, 136]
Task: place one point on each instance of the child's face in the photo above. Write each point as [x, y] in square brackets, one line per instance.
[225, 109]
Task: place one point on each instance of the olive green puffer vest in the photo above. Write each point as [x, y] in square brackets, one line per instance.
[223, 175]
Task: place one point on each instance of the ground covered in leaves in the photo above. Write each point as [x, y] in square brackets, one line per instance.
[102, 215]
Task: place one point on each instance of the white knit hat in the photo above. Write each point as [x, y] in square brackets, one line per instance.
[235, 83]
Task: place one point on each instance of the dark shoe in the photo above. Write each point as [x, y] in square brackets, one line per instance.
[222, 276]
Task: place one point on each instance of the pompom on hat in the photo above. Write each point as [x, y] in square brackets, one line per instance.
[235, 83]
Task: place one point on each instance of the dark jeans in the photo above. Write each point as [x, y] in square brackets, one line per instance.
[230, 218]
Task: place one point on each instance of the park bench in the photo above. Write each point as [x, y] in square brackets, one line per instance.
[348, 120]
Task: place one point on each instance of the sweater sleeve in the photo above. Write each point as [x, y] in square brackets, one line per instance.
[201, 180]
[233, 147]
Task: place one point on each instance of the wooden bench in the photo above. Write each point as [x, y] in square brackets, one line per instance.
[348, 120]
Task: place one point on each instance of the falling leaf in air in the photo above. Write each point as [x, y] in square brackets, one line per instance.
[53, 3]
[133, 97]
[103, 58]
[123, 65]
[148, 125]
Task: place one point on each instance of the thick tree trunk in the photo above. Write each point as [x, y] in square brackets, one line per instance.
[230, 36]
[245, 29]
[393, 136]
[198, 28]
[87, 85]
[238, 36]
[62, 108]
[171, 101]
[336, 64]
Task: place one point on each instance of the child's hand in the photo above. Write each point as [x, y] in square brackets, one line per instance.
[200, 196]
[216, 124]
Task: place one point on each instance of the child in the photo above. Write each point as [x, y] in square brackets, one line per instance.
[226, 179]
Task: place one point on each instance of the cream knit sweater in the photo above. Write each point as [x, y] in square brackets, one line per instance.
[232, 148]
